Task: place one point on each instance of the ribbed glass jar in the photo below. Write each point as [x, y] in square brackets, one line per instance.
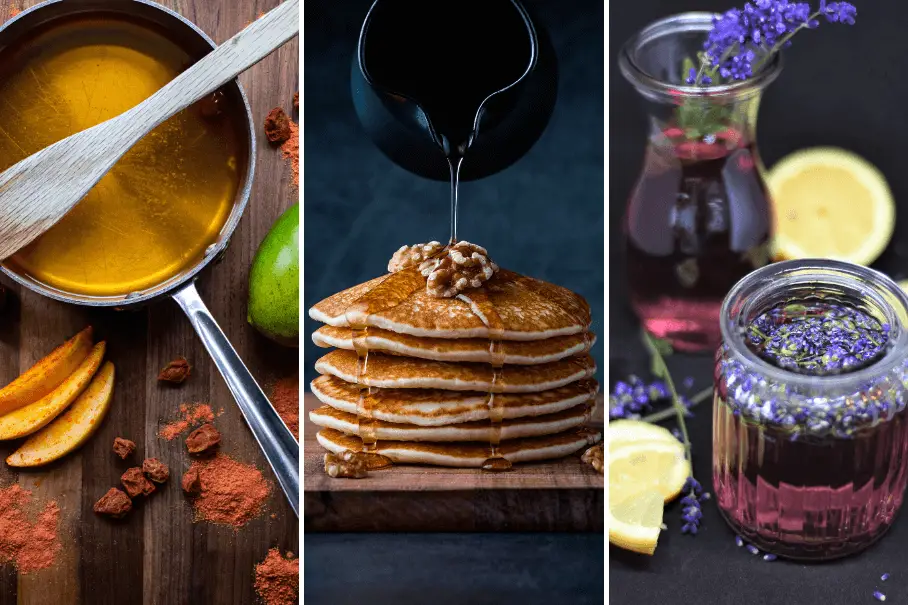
[810, 466]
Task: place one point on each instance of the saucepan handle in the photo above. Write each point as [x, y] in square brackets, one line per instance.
[277, 442]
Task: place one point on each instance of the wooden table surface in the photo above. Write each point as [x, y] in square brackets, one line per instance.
[158, 555]
[558, 495]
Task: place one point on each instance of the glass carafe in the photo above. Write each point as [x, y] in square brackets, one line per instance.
[699, 217]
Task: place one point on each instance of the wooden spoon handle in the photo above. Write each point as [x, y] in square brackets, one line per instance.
[217, 68]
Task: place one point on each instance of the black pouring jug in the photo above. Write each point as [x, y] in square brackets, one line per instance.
[470, 78]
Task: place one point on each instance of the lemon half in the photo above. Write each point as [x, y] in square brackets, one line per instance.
[830, 203]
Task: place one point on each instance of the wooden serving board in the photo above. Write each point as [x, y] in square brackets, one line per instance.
[562, 495]
[158, 555]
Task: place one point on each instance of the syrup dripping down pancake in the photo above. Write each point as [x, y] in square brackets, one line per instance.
[389, 371]
[435, 407]
[466, 455]
[480, 431]
[529, 309]
[475, 350]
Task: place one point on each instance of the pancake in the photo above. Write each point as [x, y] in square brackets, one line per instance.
[389, 371]
[481, 431]
[476, 350]
[529, 309]
[434, 407]
[466, 455]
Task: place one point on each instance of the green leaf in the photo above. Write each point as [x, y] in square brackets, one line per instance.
[686, 65]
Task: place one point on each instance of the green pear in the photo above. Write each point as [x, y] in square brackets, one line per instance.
[274, 292]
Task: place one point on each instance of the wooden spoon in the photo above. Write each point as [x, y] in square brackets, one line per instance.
[38, 191]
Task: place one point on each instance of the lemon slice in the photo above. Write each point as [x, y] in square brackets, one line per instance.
[903, 285]
[656, 465]
[623, 432]
[635, 521]
[830, 203]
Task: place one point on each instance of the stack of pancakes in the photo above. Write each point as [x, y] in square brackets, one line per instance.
[436, 381]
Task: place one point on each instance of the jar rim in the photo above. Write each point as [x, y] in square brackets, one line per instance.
[818, 271]
[693, 21]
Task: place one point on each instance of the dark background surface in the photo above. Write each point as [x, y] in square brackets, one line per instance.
[541, 217]
[841, 86]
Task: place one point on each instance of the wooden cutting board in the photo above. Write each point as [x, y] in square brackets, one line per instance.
[158, 555]
[562, 495]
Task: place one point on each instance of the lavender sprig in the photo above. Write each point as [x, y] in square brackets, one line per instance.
[691, 512]
[743, 40]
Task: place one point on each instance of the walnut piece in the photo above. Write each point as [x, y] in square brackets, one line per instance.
[464, 266]
[595, 457]
[346, 465]
[408, 256]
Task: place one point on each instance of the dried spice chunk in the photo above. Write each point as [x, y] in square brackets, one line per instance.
[296, 101]
[191, 482]
[114, 504]
[212, 106]
[277, 126]
[123, 447]
[156, 470]
[345, 465]
[136, 483]
[464, 266]
[203, 440]
[176, 371]
[595, 457]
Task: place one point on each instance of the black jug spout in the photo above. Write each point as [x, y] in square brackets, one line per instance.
[400, 108]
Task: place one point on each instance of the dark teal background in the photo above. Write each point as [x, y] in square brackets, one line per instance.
[542, 217]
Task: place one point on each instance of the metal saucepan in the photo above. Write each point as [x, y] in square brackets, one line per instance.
[277, 442]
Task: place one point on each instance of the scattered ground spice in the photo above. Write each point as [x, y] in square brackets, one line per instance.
[176, 371]
[291, 150]
[115, 503]
[277, 578]
[286, 400]
[277, 125]
[230, 492]
[30, 546]
[123, 448]
[203, 440]
[156, 470]
[190, 415]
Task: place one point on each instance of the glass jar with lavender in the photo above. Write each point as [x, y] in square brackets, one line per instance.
[810, 433]
[699, 217]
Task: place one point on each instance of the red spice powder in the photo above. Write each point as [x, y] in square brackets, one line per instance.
[277, 579]
[286, 400]
[291, 150]
[231, 493]
[30, 546]
[190, 415]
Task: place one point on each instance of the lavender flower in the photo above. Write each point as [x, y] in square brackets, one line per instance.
[691, 513]
[770, 557]
[878, 595]
[742, 40]
[630, 399]
[884, 577]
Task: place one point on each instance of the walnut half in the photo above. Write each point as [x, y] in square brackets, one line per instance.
[347, 465]
[595, 457]
[464, 266]
[408, 256]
